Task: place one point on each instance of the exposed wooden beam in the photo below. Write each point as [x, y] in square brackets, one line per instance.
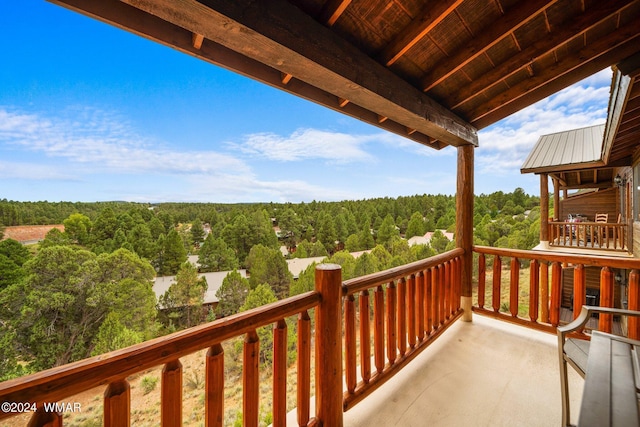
[430, 16]
[382, 119]
[512, 20]
[116, 13]
[581, 64]
[540, 47]
[281, 36]
[332, 10]
[410, 131]
[197, 40]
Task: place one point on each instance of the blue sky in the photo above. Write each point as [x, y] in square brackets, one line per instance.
[89, 112]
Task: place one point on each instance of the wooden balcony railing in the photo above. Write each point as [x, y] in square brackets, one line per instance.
[611, 236]
[545, 287]
[416, 302]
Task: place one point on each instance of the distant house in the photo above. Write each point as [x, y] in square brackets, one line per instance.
[214, 281]
[426, 239]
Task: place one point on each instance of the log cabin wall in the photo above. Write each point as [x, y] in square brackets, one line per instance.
[592, 278]
[588, 204]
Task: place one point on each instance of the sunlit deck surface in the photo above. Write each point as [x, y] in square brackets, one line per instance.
[484, 373]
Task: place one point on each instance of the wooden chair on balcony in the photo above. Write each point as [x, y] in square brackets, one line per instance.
[576, 352]
[600, 232]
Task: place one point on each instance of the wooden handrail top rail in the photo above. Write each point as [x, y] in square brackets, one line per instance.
[60, 382]
[599, 261]
[361, 283]
[601, 224]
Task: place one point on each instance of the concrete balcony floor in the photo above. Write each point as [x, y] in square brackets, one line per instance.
[483, 373]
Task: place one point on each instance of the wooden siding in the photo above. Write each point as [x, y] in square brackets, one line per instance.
[588, 204]
[592, 277]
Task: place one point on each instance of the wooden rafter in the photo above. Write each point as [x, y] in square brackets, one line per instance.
[580, 64]
[139, 22]
[295, 43]
[430, 16]
[600, 11]
[513, 20]
[332, 10]
[197, 40]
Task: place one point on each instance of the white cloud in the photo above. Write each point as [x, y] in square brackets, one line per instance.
[306, 144]
[505, 145]
[96, 140]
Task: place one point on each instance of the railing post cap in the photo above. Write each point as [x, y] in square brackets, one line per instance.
[328, 267]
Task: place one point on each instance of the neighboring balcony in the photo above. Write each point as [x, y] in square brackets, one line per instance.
[613, 236]
[389, 348]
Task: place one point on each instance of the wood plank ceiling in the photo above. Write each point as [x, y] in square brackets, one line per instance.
[432, 71]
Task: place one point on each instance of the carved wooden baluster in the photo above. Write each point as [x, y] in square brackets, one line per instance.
[391, 323]
[402, 316]
[458, 281]
[280, 373]
[304, 368]
[421, 306]
[117, 404]
[350, 342]
[365, 337]
[214, 386]
[482, 279]
[251, 379]
[605, 321]
[514, 287]
[378, 328]
[534, 289]
[42, 418]
[171, 395]
[634, 304]
[435, 297]
[579, 289]
[411, 305]
[448, 287]
[428, 300]
[556, 292]
[497, 272]
[544, 292]
[441, 294]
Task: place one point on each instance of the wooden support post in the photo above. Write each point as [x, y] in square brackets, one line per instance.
[556, 199]
[117, 404]
[634, 304]
[579, 289]
[464, 224]
[556, 293]
[534, 290]
[280, 373]
[328, 282]
[365, 337]
[171, 400]
[45, 419]
[251, 380]
[514, 287]
[304, 368]
[544, 208]
[605, 322]
[214, 387]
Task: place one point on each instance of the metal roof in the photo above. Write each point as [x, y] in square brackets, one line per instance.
[572, 149]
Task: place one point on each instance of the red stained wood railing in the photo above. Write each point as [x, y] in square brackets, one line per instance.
[171, 397]
[591, 235]
[545, 290]
[113, 368]
[421, 301]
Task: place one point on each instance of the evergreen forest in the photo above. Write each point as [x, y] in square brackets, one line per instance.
[88, 289]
